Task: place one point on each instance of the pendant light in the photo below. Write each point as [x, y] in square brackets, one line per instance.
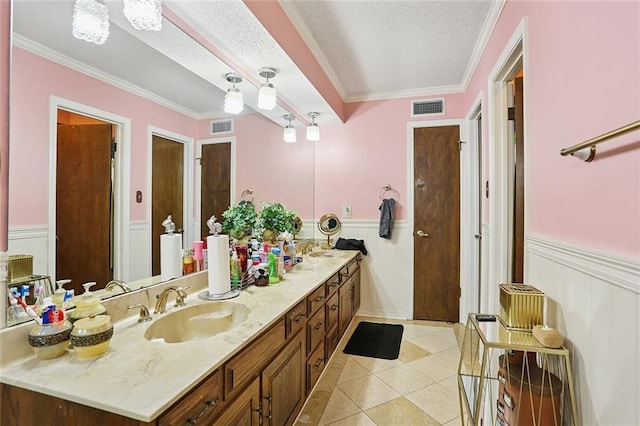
[90, 21]
[267, 93]
[289, 130]
[233, 102]
[144, 14]
[313, 131]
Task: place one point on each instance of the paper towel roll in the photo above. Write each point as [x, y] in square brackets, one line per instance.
[170, 256]
[218, 264]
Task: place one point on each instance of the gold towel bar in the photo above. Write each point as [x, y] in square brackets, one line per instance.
[592, 142]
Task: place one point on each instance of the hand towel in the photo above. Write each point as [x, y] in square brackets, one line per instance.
[387, 216]
[351, 244]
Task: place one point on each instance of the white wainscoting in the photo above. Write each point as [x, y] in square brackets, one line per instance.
[33, 240]
[387, 278]
[593, 298]
[139, 244]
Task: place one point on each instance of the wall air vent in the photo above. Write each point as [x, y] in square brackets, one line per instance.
[427, 107]
[222, 126]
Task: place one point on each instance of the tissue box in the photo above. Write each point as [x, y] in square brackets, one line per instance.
[19, 266]
[521, 306]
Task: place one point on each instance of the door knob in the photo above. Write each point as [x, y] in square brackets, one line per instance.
[422, 234]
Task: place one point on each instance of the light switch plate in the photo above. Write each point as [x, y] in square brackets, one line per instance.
[346, 210]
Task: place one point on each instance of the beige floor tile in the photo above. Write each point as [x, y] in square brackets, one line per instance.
[412, 331]
[404, 379]
[314, 407]
[455, 422]
[434, 368]
[437, 402]
[433, 343]
[360, 419]
[398, 412]
[352, 370]
[368, 392]
[451, 355]
[339, 407]
[410, 352]
[451, 384]
[375, 364]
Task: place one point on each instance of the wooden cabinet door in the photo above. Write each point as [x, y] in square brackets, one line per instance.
[345, 310]
[200, 406]
[283, 384]
[245, 409]
[356, 291]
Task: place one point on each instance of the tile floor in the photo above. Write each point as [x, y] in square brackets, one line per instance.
[418, 388]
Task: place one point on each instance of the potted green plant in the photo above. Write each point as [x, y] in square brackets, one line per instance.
[239, 220]
[275, 219]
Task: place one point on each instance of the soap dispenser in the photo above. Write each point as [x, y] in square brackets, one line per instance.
[87, 304]
[60, 294]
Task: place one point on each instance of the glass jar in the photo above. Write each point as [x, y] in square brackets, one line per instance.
[50, 340]
[91, 336]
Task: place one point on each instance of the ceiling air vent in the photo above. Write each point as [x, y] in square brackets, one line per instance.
[427, 107]
[222, 126]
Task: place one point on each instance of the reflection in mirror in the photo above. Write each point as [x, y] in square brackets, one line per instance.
[46, 78]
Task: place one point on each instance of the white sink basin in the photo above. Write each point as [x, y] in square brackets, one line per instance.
[198, 322]
[327, 254]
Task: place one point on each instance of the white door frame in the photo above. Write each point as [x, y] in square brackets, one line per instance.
[122, 173]
[513, 57]
[187, 186]
[410, 179]
[198, 178]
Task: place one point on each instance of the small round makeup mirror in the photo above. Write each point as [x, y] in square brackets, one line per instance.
[329, 225]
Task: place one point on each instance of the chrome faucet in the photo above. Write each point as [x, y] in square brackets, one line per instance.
[117, 283]
[161, 303]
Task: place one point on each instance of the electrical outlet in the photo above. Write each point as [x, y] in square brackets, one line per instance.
[346, 210]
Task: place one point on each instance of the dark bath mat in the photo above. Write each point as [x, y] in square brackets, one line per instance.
[375, 340]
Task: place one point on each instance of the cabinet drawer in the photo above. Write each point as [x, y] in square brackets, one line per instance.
[332, 284]
[198, 407]
[295, 319]
[315, 365]
[349, 269]
[331, 307]
[315, 330]
[331, 341]
[316, 299]
[249, 362]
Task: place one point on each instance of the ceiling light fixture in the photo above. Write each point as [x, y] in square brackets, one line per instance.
[313, 131]
[233, 102]
[267, 93]
[90, 21]
[289, 130]
[144, 14]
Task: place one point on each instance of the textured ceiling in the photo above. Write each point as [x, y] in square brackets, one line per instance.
[368, 49]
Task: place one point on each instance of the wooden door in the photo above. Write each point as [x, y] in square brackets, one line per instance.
[167, 191]
[215, 178]
[517, 254]
[345, 305]
[436, 274]
[84, 219]
[245, 410]
[283, 383]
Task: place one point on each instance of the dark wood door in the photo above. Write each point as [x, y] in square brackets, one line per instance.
[167, 191]
[215, 178]
[436, 277]
[84, 218]
[517, 255]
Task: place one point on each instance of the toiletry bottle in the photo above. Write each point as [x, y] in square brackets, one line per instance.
[198, 256]
[279, 261]
[292, 252]
[87, 304]
[187, 262]
[235, 271]
[273, 268]
[59, 296]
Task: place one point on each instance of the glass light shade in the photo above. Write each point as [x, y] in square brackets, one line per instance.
[267, 97]
[90, 21]
[289, 134]
[233, 102]
[313, 132]
[144, 14]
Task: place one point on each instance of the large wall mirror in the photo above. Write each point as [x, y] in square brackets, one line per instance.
[123, 96]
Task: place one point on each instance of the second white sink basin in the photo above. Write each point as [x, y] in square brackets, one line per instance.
[327, 254]
[198, 322]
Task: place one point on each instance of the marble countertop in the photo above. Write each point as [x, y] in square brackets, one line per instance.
[140, 379]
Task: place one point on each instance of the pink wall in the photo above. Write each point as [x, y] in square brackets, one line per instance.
[275, 170]
[34, 80]
[5, 51]
[354, 160]
[584, 63]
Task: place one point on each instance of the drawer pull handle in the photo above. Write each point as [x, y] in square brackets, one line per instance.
[319, 363]
[335, 338]
[334, 307]
[345, 274]
[319, 299]
[334, 284]
[299, 318]
[319, 326]
[207, 405]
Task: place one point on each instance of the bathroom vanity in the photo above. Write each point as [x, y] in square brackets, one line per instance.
[259, 371]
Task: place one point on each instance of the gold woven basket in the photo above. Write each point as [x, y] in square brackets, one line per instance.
[521, 306]
[19, 266]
